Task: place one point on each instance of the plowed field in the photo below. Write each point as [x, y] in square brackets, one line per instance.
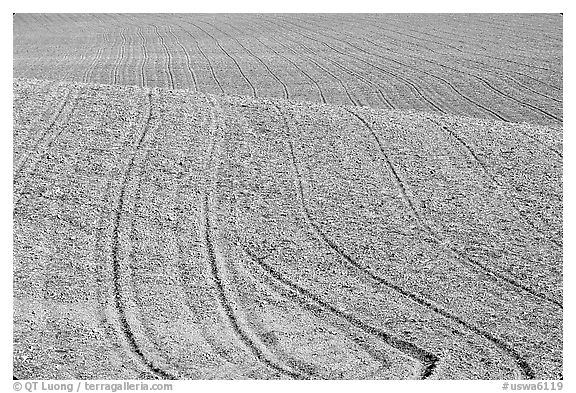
[265, 197]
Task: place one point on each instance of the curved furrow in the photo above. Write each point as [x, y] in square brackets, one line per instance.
[522, 364]
[494, 113]
[484, 65]
[310, 301]
[217, 265]
[437, 238]
[225, 303]
[408, 82]
[498, 183]
[76, 28]
[485, 82]
[117, 263]
[352, 100]
[314, 82]
[318, 88]
[444, 81]
[188, 60]
[205, 58]
[143, 44]
[166, 51]
[88, 76]
[90, 70]
[445, 54]
[522, 103]
[522, 85]
[254, 94]
[473, 40]
[109, 45]
[475, 54]
[367, 82]
[359, 77]
[507, 27]
[284, 87]
[44, 134]
[115, 70]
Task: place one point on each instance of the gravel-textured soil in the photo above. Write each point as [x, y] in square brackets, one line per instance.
[164, 233]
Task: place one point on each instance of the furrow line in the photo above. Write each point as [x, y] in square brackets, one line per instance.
[168, 63]
[205, 57]
[314, 82]
[523, 103]
[367, 82]
[486, 66]
[523, 366]
[254, 94]
[439, 240]
[414, 87]
[439, 78]
[188, 60]
[318, 88]
[143, 44]
[284, 87]
[115, 70]
[352, 100]
[522, 85]
[90, 70]
[475, 54]
[456, 90]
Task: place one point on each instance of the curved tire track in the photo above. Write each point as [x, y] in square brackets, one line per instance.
[522, 364]
[498, 183]
[441, 242]
[216, 267]
[308, 300]
[119, 301]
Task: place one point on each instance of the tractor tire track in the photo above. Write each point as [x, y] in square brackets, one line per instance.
[20, 166]
[119, 297]
[439, 240]
[217, 266]
[494, 180]
[311, 302]
[522, 365]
